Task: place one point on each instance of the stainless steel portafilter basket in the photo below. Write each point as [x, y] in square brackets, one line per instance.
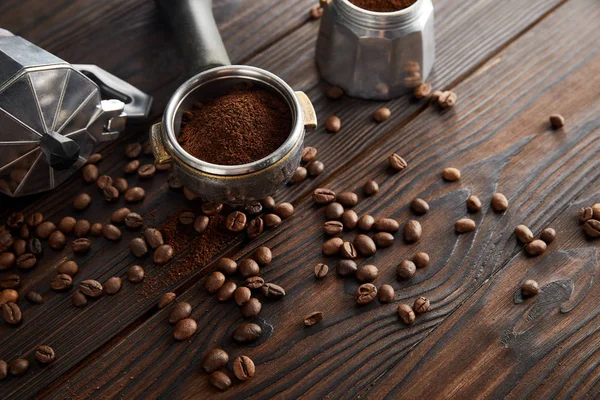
[200, 40]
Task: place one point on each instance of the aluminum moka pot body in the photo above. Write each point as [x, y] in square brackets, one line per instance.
[374, 55]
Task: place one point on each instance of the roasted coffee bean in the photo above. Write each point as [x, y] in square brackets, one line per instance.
[365, 293]
[187, 218]
[315, 168]
[220, 380]
[96, 229]
[7, 260]
[299, 175]
[242, 295]
[412, 231]
[406, 313]
[383, 239]
[272, 291]
[214, 282]
[248, 267]
[367, 273]
[349, 219]
[9, 296]
[69, 268]
[263, 255]
[557, 121]
[133, 220]
[464, 225]
[334, 211]
[524, 234]
[81, 245]
[201, 223]
[11, 281]
[147, 149]
[334, 92]
[146, 171]
[451, 174]
[34, 246]
[19, 247]
[189, 195]
[184, 329]
[15, 220]
[499, 202]
[268, 203]
[253, 208]
[226, 291]
[6, 240]
[406, 269]
[530, 288]
[110, 193]
[135, 194]
[82, 201]
[113, 285]
[382, 114]
[45, 354]
[321, 270]
[104, 181]
[163, 254]
[57, 240]
[236, 221]
[138, 247]
[243, 368]
[133, 150]
[347, 199]
[180, 311]
[174, 182]
[251, 309]
[11, 313]
[323, 196]
[396, 162]
[313, 318]
[585, 213]
[333, 124]
[18, 367]
[78, 299]
[154, 237]
[67, 224]
[309, 154]
[111, 232]
[592, 228]
[422, 91]
[386, 294]
[132, 167]
[447, 99]
[346, 268]
[118, 217]
[34, 219]
[214, 359]
[26, 261]
[364, 245]
[61, 282]
[135, 274]
[333, 228]
[34, 298]
[548, 235]
[370, 188]
[596, 211]
[421, 259]
[535, 247]
[365, 223]
[284, 210]
[163, 167]
[421, 305]
[348, 251]
[121, 185]
[332, 246]
[419, 206]
[3, 370]
[212, 209]
[386, 225]
[45, 229]
[91, 288]
[255, 228]
[24, 231]
[166, 299]
[473, 204]
[316, 12]
[272, 220]
[254, 282]
[226, 265]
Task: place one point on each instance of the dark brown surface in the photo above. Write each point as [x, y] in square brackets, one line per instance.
[534, 59]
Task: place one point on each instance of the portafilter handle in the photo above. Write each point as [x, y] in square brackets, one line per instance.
[196, 32]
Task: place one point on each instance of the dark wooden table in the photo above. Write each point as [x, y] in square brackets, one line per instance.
[512, 63]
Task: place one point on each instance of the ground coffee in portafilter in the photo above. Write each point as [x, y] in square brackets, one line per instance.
[383, 5]
[238, 128]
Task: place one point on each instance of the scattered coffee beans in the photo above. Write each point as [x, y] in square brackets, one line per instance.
[596, 211]
[111, 194]
[447, 99]
[103, 181]
[406, 313]
[406, 269]
[242, 295]
[165, 299]
[591, 228]
[585, 213]
[135, 274]
[299, 175]
[132, 167]
[284, 210]
[365, 293]
[473, 204]
[7, 260]
[333, 124]
[348, 251]
[135, 194]
[82, 201]
[313, 318]
[321, 270]
[347, 199]
[45, 229]
[530, 288]
[134, 221]
[251, 309]
[334, 92]
[323, 196]
[68, 268]
[421, 305]
[370, 188]
[272, 291]
[349, 219]
[332, 246]
[163, 254]
[214, 360]
[386, 294]
[82, 228]
[464, 225]
[19, 246]
[557, 121]
[346, 268]
[18, 367]
[383, 239]
[255, 228]
[243, 368]
[67, 224]
[412, 231]
[138, 247]
[367, 273]
[78, 299]
[334, 211]
[422, 91]
[96, 229]
[214, 282]
[146, 171]
[382, 114]
[9, 296]
[220, 380]
[201, 223]
[226, 291]
[421, 259]
[263, 255]
[180, 311]
[185, 329]
[451, 174]
[61, 282]
[45, 354]
[34, 219]
[309, 154]
[227, 266]
[419, 206]
[333, 228]
[254, 282]
[212, 209]
[316, 12]
[34, 298]
[133, 150]
[524, 234]
[121, 185]
[91, 288]
[57, 240]
[548, 235]
[154, 237]
[364, 245]
[118, 217]
[315, 168]
[113, 285]
[26, 261]
[365, 223]
[11, 313]
[3, 369]
[499, 202]
[236, 221]
[111, 232]
[536, 247]
[11, 281]
[248, 267]
[386, 225]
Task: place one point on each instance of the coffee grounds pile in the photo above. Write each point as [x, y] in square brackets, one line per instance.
[383, 5]
[238, 128]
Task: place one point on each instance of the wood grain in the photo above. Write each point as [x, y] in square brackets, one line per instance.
[495, 136]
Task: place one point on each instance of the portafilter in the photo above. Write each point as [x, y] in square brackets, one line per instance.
[200, 41]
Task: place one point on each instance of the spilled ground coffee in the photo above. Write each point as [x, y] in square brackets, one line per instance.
[383, 5]
[238, 128]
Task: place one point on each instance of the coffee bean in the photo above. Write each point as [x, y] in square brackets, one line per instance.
[26, 261]
[364, 245]
[254, 282]
[412, 231]
[299, 175]
[333, 228]
[255, 228]
[447, 99]
[11, 281]
[6, 240]
[111, 232]
[396, 162]
[370, 188]
[243, 368]
[585, 213]
[365, 293]
[347, 199]
[96, 229]
[422, 91]
[133, 220]
[165, 299]
[19, 246]
[220, 380]
[7, 260]
[253, 208]
[113, 285]
[91, 288]
[34, 246]
[421, 305]
[524, 234]
[57, 240]
[15, 220]
[138, 247]
[313, 318]
[316, 12]
[386, 294]
[187, 218]
[174, 182]
[45, 354]
[189, 195]
[365, 223]
[367, 273]
[332, 246]
[406, 313]
[180, 311]
[214, 282]
[348, 251]
[530, 288]
[82, 201]
[104, 181]
[146, 171]
[133, 150]
[121, 185]
[268, 203]
[333, 124]
[421, 259]
[45, 229]
[386, 225]
[383, 239]
[349, 219]
[272, 220]
[272, 291]
[226, 265]
[3, 369]
[592, 228]
[24, 231]
[251, 309]
[201, 223]
[473, 204]
[242, 295]
[184, 329]
[147, 149]
[132, 167]
[334, 92]
[67, 224]
[309, 154]
[248, 267]
[346, 268]
[499, 202]
[153, 237]
[78, 299]
[334, 211]
[323, 196]
[135, 194]
[18, 367]
[382, 114]
[90, 173]
[548, 235]
[557, 121]
[11, 313]
[451, 174]
[34, 219]
[110, 193]
[315, 168]
[61, 282]
[118, 217]
[163, 254]
[464, 225]
[9, 296]
[596, 211]
[135, 274]
[34, 298]
[406, 269]
[214, 359]
[321, 270]
[536, 247]
[236, 221]
[226, 291]
[419, 206]
[247, 333]
[284, 210]
[263, 255]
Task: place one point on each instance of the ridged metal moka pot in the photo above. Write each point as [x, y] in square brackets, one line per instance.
[375, 55]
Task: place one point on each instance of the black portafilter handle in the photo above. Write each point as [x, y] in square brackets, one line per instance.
[196, 32]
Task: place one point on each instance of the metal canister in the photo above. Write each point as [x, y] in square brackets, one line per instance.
[376, 55]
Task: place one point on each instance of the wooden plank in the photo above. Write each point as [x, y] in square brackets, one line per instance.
[495, 136]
